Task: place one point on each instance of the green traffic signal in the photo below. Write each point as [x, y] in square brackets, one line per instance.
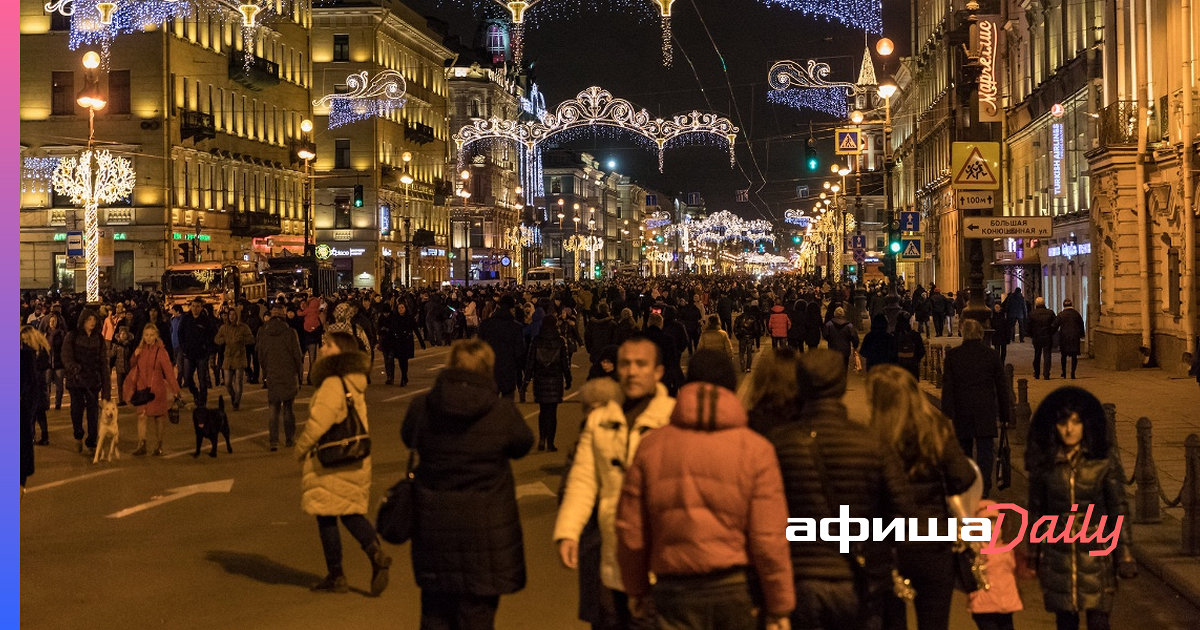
[895, 247]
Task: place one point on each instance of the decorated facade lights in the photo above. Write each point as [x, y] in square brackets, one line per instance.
[365, 97]
[596, 108]
[37, 173]
[796, 217]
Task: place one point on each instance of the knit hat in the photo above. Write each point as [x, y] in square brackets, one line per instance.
[821, 373]
[711, 366]
[839, 312]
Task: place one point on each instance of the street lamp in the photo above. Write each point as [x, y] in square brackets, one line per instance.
[307, 151]
[406, 178]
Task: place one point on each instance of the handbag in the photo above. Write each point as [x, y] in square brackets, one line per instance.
[145, 395]
[346, 442]
[174, 411]
[1003, 461]
[398, 508]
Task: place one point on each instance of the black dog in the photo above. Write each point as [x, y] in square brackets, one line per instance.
[209, 423]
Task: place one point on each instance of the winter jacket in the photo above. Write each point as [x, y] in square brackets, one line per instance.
[975, 390]
[939, 305]
[1071, 578]
[396, 335]
[176, 323]
[121, 349]
[235, 338]
[598, 335]
[85, 357]
[624, 331]
[861, 472]
[921, 308]
[878, 346]
[779, 323]
[841, 336]
[606, 448]
[504, 335]
[910, 349]
[952, 475]
[56, 338]
[1041, 326]
[1069, 325]
[715, 339]
[814, 328]
[747, 328]
[548, 366]
[704, 494]
[343, 323]
[345, 489]
[1014, 306]
[32, 393]
[151, 367]
[672, 354]
[196, 335]
[311, 312]
[1003, 596]
[1001, 329]
[280, 361]
[468, 536]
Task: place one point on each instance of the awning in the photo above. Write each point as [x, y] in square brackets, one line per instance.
[1031, 259]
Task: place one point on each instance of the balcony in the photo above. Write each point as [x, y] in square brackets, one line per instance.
[418, 133]
[258, 74]
[197, 126]
[254, 224]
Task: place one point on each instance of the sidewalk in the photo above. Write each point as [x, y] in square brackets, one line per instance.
[1171, 403]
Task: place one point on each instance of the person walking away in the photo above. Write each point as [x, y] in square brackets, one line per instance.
[85, 358]
[397, 341]
[31, 336]
[939, 308]
[504, 334]
[310, 312]
[840, 334]
[121, 348]
[281, 362]
[922, 311]
[1001, 331]
[702, 502]
[235, 336]
[878, 346]
[672, 354]
[548, 367]
[975, 395]
[691, 315]
[814, 326]
[748, 332]
[34, 395]
[340, 375]
[196, 334]
[1041, 331]
[993, 609]
[795, 336]
[607, 445]
[599, 333]
[769, 393]
[715, 338]
[1070, 328]
[1072, 464]
[55, 334]
[1016, 311]
[252, 318]
[828, 461]
[936, 468]
[779, 324]
[151, 369]
[467, 547]
[910, 348]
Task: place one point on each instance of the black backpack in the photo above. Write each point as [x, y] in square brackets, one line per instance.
[745, 326]
[906, 347]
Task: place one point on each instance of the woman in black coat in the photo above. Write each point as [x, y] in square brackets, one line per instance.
[1074, 471]
[467, 547]
[396, 341]
[813, 324]
[1001, 331]
[35, 355]
[85, 358]
[549, 367]
[797, 332]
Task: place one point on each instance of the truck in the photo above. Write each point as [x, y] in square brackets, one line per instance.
[293, 275]
[215, 282]
[544, 276]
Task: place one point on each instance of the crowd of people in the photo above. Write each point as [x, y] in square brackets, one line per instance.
[676, 497]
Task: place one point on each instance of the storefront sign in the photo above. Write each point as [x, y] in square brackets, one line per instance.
[385, 220]
[63, 236]
[346, 253]
[432, 251]
[203, 238]
[1069, 250]
[989, 90]
[1057, 152]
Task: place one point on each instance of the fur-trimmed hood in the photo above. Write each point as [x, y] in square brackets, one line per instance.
[342, 364]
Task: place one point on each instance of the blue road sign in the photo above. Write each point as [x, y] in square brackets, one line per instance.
[74, 244]
[910, 221]
[860, 255]
[912, 248]
[858, 241]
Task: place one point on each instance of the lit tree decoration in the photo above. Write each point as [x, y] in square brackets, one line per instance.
[597, 108]
[37, 173]
[520, 237]
[866, 15]
[580, 243]
[378, 96]
[830, 229]
[96, 177]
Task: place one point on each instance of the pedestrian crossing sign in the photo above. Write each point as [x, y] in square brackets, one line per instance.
[848, 141]
[912, 248]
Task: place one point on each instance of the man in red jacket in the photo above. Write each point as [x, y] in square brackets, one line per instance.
[702, 506]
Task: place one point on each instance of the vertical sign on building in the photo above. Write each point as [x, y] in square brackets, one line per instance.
[1057, 153]
[988, 45]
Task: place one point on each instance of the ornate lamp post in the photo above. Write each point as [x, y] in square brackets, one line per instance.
[406, 178]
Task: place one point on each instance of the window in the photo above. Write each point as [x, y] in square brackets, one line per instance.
[341, 48]
[118, 92]
[341, 153]
[1173, 275]
[60, 22]
[62, 100]
[341, 214]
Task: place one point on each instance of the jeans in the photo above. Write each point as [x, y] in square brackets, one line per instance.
[1074, 363]
[547, 422]
[331, 538]
[311, 350]
[458, 611]
[235, 381]
[832, 604]
[1096, 620]
[931, 571]
[54, 381]
[197, 370]
[85, 399]
[1041, 359]
[433, 333]
[779, 342]
[704, 601]
[994, 621]
[282, 408]
[180, 366]
[939, 324]
[746, 353]
[984, 455]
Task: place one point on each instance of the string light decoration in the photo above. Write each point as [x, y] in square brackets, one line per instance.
[37, 173]
[657, 219]
[94, 178]
[365, 98]
[866, 15]
[830, 229]
[807, 87]
[830, 101]
[598, 108]
[723, 227]
[664, 11]
[796, 217]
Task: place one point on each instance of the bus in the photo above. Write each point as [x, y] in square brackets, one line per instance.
[215, 282]
[542, 276]
[294, 275]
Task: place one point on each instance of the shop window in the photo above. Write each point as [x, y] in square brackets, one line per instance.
[341, 213]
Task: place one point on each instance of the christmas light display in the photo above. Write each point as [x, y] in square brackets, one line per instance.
[806, 87]
[796, 217]
[657, 219]
[827, 233]
[664, 11]
[597, 108]
[866, 15]
[94, 178]
[830, 101]
[37, 173]
[722, 227]
[365, 98]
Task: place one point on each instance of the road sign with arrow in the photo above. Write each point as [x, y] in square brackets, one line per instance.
[1008, 227]
[974, 199]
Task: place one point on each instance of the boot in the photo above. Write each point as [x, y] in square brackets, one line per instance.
[380, 562]
[78, 446]
[141, 448]
[332, 584]
[403, 381]
[541, 444]
[158, 449]
[550, 447]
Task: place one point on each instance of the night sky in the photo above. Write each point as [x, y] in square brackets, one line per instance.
[619, 49]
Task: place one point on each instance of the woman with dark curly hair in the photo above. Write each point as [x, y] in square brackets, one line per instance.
[1075, 476]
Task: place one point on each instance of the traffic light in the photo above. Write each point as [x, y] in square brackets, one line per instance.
[888, 266]
[810, 151]
[185, 252]
[358, 196]
[893, 235]
[851, 269]
[796, 239]
[598, 271]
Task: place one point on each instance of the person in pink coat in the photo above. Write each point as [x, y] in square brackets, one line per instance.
[778, 324]
[993, 609]
[151, 368]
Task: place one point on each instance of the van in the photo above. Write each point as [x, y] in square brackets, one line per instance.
[544, 276]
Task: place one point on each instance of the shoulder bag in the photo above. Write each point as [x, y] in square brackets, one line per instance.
[346, 442]
[397, 511]
[145, 395]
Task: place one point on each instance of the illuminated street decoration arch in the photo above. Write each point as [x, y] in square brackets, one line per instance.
[365, 98]
[596, 108]
[796, 217]
[806, 87]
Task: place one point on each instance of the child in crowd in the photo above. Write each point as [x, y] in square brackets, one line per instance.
[993, 609]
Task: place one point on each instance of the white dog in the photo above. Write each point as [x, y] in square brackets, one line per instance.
[108, 430]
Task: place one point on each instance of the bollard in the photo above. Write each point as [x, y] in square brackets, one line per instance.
[1190, 496]
[1146, 505]
[1022, 412]
[937, 366]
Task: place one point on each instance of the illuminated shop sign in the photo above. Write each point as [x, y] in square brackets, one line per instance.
[1057, 151]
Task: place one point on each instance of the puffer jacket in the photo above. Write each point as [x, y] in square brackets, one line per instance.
[862, 472]
[606, 447]
[1072, 579]
[716, 339]
[548, 366]
[235, 338]
[953, 475]
[704, 494]
[468, 536]
[779, 323]
[84, 356]
[345, 489]
[279, 359]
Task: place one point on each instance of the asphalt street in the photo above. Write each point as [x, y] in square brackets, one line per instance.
[177, 542]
